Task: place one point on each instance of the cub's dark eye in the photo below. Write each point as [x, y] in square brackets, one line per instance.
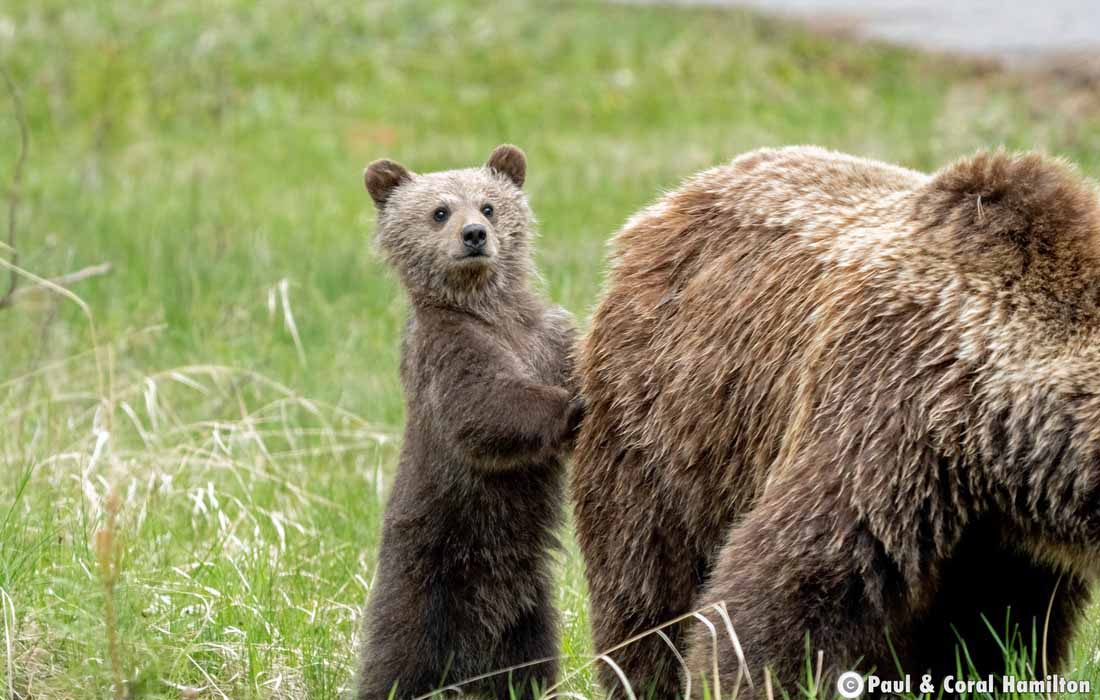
[487, 210]
[440, 214]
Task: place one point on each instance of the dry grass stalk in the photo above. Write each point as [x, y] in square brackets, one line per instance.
[108, 552]
[65, 280]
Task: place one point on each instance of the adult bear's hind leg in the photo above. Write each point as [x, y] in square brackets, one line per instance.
[645, 567]
[787, 573]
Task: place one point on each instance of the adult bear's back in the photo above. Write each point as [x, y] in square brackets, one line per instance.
[705, 318]
[714, 301]
[891, 358]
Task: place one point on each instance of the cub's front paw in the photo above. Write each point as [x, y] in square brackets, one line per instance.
[574, 415]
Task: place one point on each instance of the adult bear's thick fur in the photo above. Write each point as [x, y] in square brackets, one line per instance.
[852, 401]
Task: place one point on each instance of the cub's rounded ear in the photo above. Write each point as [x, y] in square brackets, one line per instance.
[382, 177]
[510, 162]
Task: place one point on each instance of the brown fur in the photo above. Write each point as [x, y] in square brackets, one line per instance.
[463, 585]
[850, 401]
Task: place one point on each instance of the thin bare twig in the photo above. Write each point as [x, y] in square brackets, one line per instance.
[16, 184]
[64, 280]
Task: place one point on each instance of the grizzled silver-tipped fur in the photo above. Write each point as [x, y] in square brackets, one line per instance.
[851, 401]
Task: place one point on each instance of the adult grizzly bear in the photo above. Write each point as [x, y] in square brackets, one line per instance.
[852, 401]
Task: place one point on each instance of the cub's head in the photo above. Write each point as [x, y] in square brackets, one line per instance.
[455, 235]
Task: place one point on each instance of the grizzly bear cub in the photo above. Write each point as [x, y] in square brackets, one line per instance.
[463, 586]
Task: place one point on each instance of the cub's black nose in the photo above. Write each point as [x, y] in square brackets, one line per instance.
[473, 236]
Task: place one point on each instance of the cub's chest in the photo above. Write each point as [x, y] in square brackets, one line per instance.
[533, 352]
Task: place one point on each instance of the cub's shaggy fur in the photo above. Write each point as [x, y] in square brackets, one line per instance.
[849, 401]
[463, 585]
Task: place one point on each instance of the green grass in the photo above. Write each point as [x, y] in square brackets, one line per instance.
[212, 152]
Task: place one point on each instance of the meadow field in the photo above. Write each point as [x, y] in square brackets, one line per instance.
[196, 444]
